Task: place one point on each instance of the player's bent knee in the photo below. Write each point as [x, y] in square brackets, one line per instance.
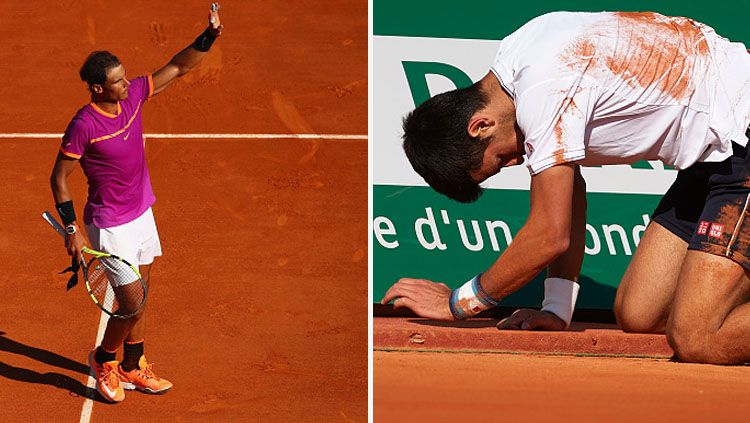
[686, 347]
[692, 346]
[636, 320]
[630, 325]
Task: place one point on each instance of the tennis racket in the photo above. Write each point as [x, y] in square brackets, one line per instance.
[115, 285]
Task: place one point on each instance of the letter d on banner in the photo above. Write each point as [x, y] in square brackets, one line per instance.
[416, 76]
[430, 222]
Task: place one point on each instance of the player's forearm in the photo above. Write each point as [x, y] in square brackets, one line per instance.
[568, 265]
[63, 200]
[192, 55]
[60, 192]
[531, 251]
[59, 184]
[186, 59]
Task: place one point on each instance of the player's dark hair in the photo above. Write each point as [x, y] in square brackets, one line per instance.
[94, 69]
[439, 147]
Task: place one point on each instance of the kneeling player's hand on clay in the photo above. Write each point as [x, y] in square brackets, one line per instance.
[426, 298]
[527, 319]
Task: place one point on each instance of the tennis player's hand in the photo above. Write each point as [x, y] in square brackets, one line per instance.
[527, 319]
[426, 298]
[214, 23]
[74, 244]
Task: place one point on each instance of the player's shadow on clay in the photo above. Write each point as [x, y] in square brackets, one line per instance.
[57, 380]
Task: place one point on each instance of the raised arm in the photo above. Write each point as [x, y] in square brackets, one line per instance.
[191, 55]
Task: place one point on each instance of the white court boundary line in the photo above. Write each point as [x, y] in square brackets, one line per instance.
[208, 136]
[88, 403]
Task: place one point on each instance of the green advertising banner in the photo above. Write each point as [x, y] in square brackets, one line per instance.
[423, 48]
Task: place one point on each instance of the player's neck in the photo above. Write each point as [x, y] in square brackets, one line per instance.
[499, 101]
[107, 106]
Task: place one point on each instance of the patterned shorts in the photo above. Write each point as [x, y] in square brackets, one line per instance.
[707, 206]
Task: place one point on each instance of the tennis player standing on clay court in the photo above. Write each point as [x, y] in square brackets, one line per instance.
[570, 89]
[106, 138]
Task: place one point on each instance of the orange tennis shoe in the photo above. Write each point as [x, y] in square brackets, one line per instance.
[143, 379]
[107, 379]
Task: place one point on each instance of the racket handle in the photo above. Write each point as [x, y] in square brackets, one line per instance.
[54, 223]
[59, 229]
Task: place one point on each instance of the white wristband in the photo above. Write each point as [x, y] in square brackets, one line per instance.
[560, 298]
[470, 299]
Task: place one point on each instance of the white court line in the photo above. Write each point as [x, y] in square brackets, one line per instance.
[88, 403]
[212, 136]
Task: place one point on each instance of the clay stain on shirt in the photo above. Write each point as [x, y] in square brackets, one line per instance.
[567, 107]
[650, 50]
[657, 51]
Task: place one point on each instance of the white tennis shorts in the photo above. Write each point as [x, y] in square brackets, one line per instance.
[136, 241]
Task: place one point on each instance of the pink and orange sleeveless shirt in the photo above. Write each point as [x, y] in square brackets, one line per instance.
[111, 150]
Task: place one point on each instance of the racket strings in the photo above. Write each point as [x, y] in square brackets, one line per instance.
[115, 286]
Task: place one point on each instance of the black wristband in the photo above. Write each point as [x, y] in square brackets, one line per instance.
[66, 211]
[204, 41]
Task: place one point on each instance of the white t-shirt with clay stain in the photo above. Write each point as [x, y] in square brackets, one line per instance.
[616, 88]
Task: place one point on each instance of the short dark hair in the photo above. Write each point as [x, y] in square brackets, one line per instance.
[94, 69]
[439, 147]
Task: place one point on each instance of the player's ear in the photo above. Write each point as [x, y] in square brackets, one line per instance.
[96, 88]
[479, 125]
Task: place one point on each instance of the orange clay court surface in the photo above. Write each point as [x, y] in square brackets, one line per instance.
[258, 307]
[469, 371]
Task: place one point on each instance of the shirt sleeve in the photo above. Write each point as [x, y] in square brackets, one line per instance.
[75, 139]
[141, 88]
[149, 85]
[553, 116]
